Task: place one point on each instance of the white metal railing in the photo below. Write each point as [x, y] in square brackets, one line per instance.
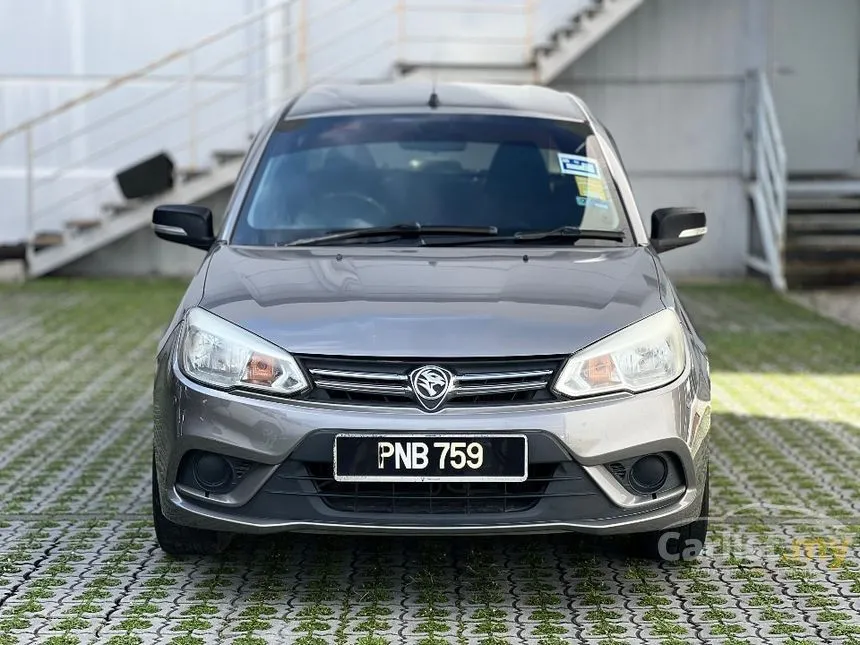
[213, 94]
[768, 185]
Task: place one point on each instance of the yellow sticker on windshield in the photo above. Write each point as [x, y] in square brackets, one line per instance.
[590, 187]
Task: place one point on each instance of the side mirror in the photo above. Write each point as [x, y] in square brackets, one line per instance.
[191, 225]
[675, 227]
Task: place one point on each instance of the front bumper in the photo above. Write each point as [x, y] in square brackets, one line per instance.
[284, 439]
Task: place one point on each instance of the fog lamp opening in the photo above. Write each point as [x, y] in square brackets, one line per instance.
[212, 472]
[648, 473]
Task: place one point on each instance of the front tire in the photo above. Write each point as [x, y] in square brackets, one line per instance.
[179, 540]
[676, 543]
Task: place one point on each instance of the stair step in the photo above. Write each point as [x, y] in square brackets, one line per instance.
[82, 224]
[573, 25]
[823, 225]
[822, 273]
[190, 174]
[563, 32]
[825, 242]
[118, 208]
[223, 156]
[822, 228]
[822, 205]
[823, 188]
[45, 239]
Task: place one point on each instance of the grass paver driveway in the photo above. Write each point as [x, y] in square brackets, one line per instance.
[78, 561]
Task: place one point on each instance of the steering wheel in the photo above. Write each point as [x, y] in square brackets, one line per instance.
[349, 210]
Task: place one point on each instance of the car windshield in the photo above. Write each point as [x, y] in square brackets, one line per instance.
[517, 175]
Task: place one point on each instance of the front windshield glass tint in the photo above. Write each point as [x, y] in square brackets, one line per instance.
[519, 174]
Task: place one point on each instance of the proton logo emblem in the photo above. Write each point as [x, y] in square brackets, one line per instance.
[430, 384]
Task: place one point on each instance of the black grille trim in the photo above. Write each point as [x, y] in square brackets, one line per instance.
[433, 498]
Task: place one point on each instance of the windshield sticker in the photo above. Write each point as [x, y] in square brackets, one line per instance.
[591, 201]
[590, 187]
[576, 165]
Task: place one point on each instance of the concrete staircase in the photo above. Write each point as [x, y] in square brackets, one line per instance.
[822, 245]
[565, 44]
[48, 249]
[51, 250]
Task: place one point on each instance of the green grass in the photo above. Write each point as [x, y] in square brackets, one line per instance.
[77, 556]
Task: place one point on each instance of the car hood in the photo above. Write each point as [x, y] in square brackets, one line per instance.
[431, 302]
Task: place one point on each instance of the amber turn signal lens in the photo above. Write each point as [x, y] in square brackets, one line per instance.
[599, 371]
[260, 370]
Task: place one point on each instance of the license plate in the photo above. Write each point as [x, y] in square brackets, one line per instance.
[431, 457]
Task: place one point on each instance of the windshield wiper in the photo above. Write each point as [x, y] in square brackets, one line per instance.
[412, 229]
[571, 232]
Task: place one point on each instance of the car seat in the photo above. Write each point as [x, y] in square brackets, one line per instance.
[517, 188]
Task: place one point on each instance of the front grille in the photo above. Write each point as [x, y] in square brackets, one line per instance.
[476, 382]
[427, 497]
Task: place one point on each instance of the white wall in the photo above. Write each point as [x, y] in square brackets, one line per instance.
[54, 50]
[814, 67]
[668, 82]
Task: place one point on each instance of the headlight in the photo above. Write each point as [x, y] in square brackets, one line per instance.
[645, 355]
[218, 353]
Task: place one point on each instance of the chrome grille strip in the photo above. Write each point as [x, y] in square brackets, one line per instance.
[365, 388]
[498, 376]
[367, 376]
[498, 388]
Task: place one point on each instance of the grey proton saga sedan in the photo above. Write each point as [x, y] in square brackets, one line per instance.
[432, 310]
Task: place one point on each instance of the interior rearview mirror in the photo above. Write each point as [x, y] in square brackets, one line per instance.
[184, 224]
[675, 227]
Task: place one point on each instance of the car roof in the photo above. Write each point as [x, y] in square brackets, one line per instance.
[414, 96]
